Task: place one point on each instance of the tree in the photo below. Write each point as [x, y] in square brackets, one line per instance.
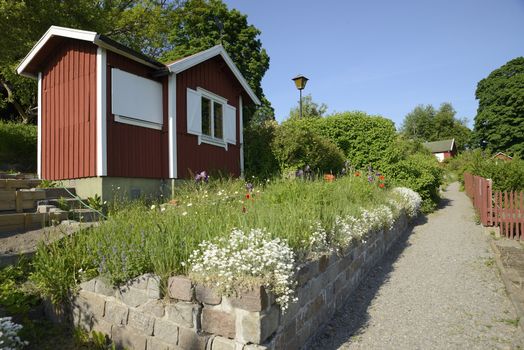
[499, 123]
[201, 24]
[162, 29]
[425, 123]
[310, 109]
[140, 24]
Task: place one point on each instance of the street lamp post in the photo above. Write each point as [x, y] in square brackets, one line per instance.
[300, 83]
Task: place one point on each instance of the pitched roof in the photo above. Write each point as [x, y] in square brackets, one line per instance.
[440, 146]
[30, 64]
[190, 61]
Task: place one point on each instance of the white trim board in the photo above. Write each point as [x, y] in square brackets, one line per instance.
[39, 121]
[171, 103]
[54, 31]
[241, 132]
[71, 33]
[101, 112]
[188, 62]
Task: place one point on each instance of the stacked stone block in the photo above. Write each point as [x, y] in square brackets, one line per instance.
[189, 316]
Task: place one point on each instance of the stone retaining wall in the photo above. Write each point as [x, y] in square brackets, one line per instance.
[136, 316]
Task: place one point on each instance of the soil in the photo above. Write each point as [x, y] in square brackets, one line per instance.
[15, 243]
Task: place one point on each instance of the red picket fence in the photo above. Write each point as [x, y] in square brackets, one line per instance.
[502, 209]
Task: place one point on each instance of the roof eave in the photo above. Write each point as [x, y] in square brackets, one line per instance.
[93, 37]
[52, 31]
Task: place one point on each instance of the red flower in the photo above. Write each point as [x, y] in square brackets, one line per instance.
[357, 173]
[381, 177]
[381, 185]
[248, 196]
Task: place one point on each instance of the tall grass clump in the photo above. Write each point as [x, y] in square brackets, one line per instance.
[167, 239]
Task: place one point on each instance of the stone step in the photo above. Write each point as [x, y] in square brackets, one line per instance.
[68, 203]
[84, 215]
[55, 193]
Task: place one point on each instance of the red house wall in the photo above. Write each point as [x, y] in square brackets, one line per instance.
[215, 76]
[69, 112]
[134, 151]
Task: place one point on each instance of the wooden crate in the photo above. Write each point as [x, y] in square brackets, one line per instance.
[22, 221]
[15, 184]
[20, 200]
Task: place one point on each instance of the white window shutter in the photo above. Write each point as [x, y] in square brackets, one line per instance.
[230, 124]
[194, 112]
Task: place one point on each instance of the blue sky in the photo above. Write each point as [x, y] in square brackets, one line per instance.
[381, 56]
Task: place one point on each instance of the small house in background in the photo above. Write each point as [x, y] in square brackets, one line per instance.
[111, 118]
[442, 149]
[502, 156]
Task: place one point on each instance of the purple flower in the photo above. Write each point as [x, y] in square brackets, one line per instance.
[249, 187]
[299, 173]
[202, 177]
[370, 178]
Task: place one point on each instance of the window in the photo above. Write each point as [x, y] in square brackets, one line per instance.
[211, 118]
[206, 116]
[217, 120]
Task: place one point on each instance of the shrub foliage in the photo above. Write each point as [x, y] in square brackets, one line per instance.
[17, 146]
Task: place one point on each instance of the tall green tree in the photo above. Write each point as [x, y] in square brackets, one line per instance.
[201, 24]
[140, 24]
[162, 29]
[425, 123]
[310, 109]
[499, 123]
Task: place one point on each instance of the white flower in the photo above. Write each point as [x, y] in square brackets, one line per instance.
[255, 254]
[163, 209]
[153, 207]
[189, 204]
[184, 213]
[9, 338]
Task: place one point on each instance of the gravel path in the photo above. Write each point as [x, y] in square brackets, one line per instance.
[438, 288]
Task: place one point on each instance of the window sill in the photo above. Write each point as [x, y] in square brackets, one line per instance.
[212, 141]
[137, 122]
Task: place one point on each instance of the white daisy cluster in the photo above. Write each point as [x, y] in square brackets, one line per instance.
[9, 339]
[409, 200]
[318, 241]
[254, 256]
[352, 228]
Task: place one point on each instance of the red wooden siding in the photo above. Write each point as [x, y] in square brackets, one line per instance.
[215, 76]
[134, 151]
[69, 112]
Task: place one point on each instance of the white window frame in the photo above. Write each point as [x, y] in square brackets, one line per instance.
[214, 98]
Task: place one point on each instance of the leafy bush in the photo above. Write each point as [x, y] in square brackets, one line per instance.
[421, 173]
[260, 162]
[15, 297]
[364, 139]
[18, 146]
[506, 175]
[296, 145]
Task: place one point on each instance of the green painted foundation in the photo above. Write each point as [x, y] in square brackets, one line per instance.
[110, 188]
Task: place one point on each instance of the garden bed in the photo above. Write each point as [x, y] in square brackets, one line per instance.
[223, 263]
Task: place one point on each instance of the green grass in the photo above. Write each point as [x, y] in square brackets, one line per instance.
[139, 237]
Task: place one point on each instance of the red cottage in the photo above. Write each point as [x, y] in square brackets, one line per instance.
[111, 118]
[443, 149]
